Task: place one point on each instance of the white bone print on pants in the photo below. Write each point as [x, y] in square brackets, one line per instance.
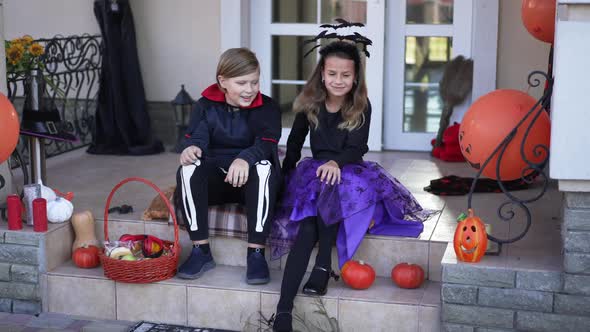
[263, 170]
[187, 194]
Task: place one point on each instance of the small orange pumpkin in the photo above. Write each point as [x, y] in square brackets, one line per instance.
[358, 275]
[471, 240]
[407, 275]
[86, 257]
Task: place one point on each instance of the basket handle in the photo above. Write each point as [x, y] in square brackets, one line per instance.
[142, 180]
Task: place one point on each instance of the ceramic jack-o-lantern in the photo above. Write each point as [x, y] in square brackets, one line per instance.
[471, 240]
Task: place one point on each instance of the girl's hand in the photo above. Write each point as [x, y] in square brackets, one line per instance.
[330, 172]
[190, 155]
[237, 175]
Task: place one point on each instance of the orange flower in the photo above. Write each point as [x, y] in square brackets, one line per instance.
[36, 49]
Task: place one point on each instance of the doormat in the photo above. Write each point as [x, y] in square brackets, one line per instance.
[159, 327]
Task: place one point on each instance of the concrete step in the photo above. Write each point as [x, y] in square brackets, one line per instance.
[381, 252]
[222, 299]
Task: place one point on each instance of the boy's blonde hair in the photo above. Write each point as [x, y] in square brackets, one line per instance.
[236, 62]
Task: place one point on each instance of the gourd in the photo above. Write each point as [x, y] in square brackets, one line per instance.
[83, 223]
[59, 210]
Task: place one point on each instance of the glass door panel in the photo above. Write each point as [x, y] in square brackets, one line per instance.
[350, 10]
[299, 11]
[290, 70]
[429, 12]
[425, 60]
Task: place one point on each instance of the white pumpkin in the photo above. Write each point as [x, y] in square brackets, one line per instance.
[59, 210]
[48, 193]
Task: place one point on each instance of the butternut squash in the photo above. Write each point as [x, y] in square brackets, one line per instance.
[83, 223]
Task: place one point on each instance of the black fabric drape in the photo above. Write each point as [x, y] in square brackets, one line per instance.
[122, 124]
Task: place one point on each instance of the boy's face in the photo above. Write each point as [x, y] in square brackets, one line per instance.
[338, 75]
[240, 91]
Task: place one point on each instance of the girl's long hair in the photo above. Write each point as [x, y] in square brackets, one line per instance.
[314, 93]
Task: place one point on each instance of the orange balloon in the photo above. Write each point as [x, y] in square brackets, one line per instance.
[489, 120]
[538, 17]
[9, 128]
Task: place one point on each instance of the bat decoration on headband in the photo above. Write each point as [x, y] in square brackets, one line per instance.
[354, 37]
[343, 24]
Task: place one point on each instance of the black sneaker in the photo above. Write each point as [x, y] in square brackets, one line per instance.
[196, 264]
[257, 270]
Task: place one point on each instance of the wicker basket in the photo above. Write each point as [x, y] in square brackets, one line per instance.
[147, 270]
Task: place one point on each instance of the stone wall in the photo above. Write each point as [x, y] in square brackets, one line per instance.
[25, 257]
[20, 266]
[576, 240]
[477, 298]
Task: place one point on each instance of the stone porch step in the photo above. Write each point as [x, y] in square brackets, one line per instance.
[222, 299]
[382, 252]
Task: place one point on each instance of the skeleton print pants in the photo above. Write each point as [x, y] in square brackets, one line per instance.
[202, 184]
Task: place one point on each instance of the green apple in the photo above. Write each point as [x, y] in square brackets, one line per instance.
[129, 257]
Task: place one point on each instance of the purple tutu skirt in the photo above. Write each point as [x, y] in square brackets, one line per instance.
[367, 199]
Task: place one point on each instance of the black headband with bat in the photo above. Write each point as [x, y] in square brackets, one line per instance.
[355, 37]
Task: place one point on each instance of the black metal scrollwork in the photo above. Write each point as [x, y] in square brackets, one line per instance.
[72, 69]
[534, 172]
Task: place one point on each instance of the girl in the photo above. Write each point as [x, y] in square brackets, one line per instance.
[335, 193]
[230, 156]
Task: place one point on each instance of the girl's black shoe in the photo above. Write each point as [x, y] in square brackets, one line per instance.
[318, 281]
[283, 322]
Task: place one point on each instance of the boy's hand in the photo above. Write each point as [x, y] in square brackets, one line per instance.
[237, 175]
[190, 155]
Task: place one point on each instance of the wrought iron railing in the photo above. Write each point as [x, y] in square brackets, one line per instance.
[505, 211]
[72, 68]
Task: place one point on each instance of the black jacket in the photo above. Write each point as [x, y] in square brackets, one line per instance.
[225, 133]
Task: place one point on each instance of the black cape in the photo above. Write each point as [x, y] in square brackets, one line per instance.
[122, 124]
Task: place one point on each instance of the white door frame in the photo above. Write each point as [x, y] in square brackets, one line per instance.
[234, 18]
[474, 32]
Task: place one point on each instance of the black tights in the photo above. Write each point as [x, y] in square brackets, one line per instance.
[311, 230]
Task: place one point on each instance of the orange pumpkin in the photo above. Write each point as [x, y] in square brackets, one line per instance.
[471, 240]
[407, 275]
[86, 257]
[358, 275]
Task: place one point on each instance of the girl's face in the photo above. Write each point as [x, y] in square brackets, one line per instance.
[240, 91]
[338, 76]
